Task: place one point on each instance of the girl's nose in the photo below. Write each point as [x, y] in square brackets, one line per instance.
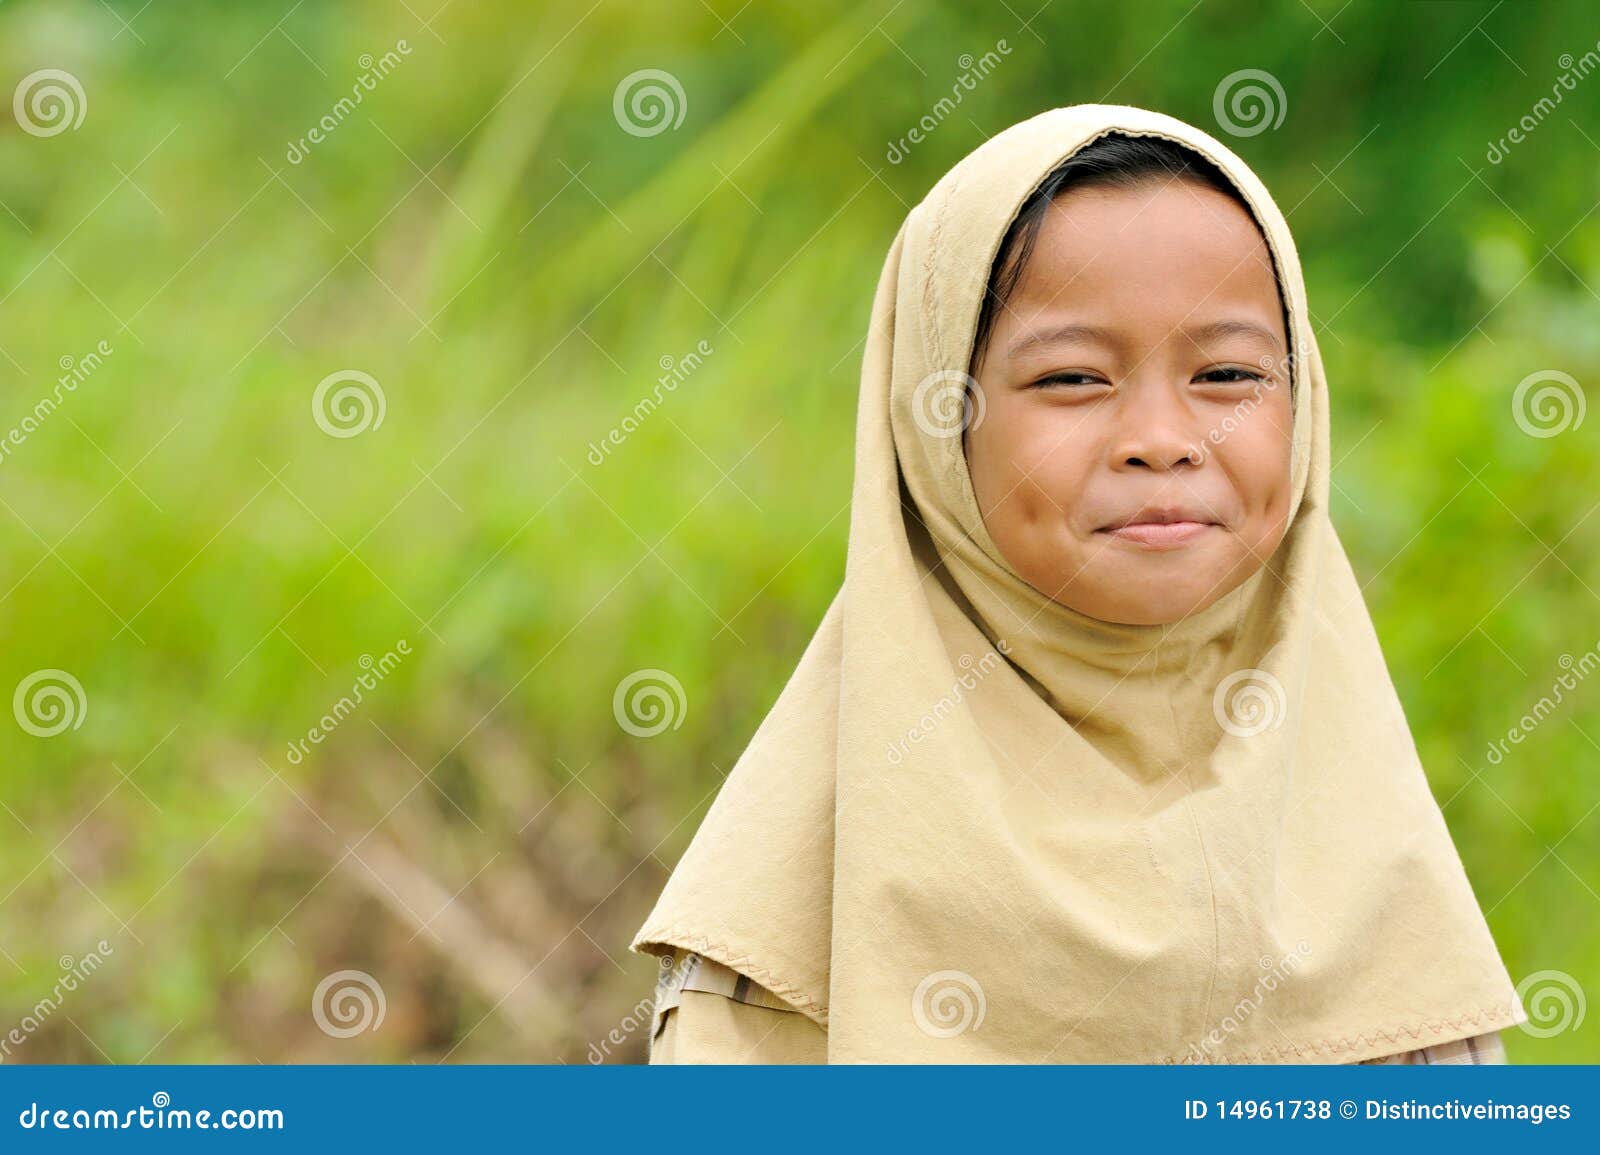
[1155, 432]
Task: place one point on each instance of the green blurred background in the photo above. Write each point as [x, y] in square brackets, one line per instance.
[484, 237]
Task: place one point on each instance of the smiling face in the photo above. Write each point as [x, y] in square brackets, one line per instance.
[1131, 454]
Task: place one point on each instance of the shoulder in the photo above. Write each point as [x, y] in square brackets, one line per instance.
[709, 1013]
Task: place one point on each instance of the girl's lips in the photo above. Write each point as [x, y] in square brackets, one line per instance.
[1160, 534]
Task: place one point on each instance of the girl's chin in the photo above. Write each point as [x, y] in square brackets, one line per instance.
[1127, 595]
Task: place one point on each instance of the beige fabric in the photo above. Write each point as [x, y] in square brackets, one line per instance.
[708, 1028]
[1482, 1050]
[708, 1013]
[693, 972]
[1072, 860]
[742, 1029]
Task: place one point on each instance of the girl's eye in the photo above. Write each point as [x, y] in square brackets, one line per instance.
[1228, 375]
[1078, 379]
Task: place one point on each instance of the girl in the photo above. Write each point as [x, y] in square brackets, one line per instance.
[1094, 757]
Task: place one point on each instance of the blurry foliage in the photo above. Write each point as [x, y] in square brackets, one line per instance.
[482, 237]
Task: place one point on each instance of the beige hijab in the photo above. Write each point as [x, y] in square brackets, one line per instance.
[978, 826]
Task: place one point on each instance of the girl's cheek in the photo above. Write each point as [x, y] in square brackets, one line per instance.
[1257, 455]
[1041, 447]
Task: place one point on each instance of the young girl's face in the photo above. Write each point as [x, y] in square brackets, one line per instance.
[1131, 453]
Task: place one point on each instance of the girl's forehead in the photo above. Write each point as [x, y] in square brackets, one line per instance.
[1153, 253]
[1178, 224]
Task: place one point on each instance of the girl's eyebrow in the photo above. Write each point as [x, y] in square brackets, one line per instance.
[1094, 334]
[1231, 328]
[1062, 334]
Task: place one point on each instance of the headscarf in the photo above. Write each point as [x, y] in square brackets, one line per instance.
[979, 826]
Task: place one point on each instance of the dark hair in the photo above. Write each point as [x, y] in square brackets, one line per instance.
[1114, 160]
